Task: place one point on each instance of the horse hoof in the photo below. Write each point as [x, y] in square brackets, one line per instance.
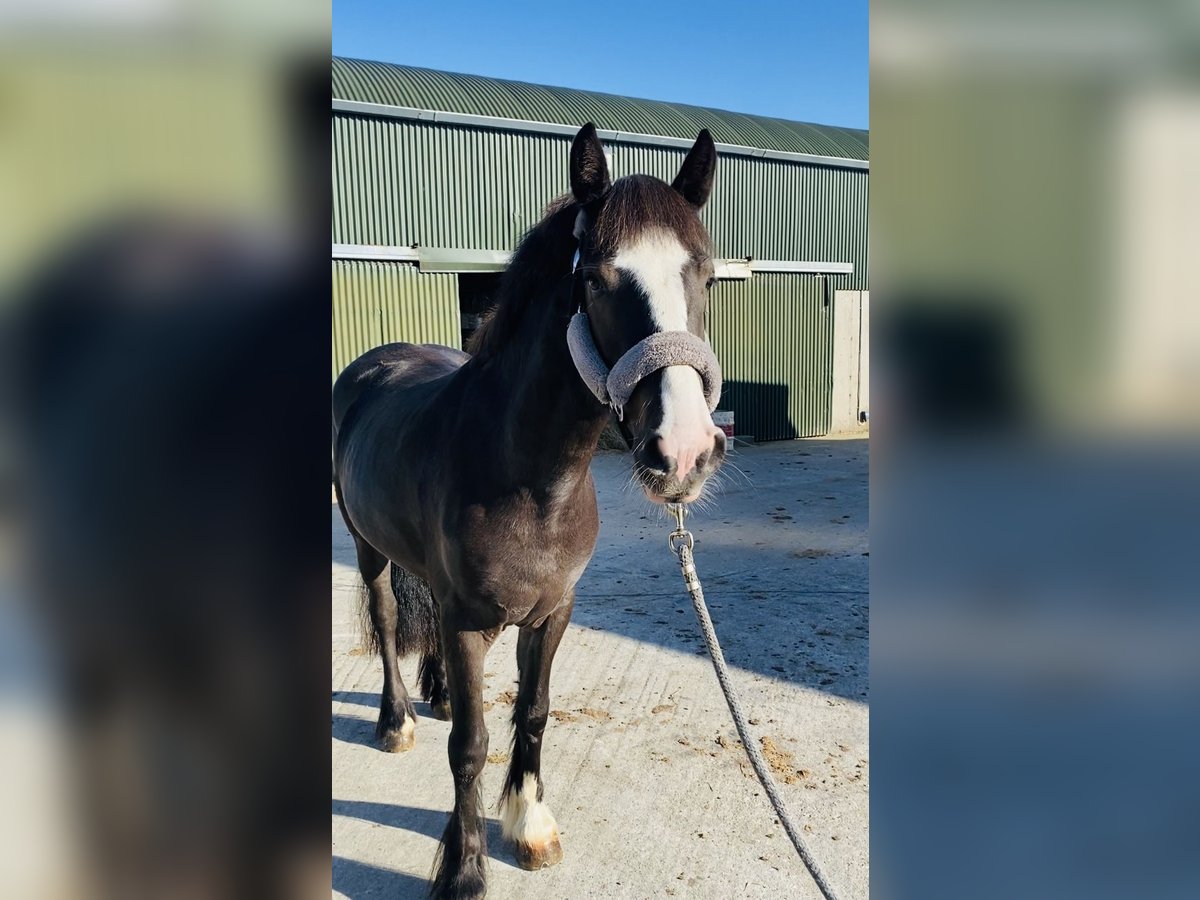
[399, 740]
[440, 710]
[540, 857]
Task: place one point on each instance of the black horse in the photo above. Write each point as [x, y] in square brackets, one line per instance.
[470, 474]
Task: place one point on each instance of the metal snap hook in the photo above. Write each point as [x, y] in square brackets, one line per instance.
[680, 537]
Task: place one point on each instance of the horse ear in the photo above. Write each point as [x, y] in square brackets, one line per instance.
[695, 178]
[589, 168]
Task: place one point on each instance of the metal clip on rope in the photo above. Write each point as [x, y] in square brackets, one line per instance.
[681, 543]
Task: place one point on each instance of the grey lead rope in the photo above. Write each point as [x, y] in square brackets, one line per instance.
[681, 542]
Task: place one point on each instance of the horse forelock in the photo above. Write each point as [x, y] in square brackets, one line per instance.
[637, 204]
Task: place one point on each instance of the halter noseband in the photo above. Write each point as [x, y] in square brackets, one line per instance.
[655, 351]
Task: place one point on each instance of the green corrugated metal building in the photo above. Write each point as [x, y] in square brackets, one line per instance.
[436, 176]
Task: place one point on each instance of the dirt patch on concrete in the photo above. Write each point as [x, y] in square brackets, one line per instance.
[812, 553]
[600, 714]
[781, 761]
[561, 715]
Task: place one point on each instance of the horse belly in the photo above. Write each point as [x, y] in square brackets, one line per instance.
[519, 585]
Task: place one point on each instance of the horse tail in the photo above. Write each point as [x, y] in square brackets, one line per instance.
[367, 635]
[366, 628]
[418, 628]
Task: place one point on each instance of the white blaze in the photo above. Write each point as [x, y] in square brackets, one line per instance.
[655, 261]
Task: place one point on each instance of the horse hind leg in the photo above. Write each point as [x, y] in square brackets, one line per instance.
[433, 685]
[527, 820]
[381, 615]
[419, 633]
[395, 730]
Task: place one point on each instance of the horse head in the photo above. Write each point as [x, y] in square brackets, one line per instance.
[642, 276]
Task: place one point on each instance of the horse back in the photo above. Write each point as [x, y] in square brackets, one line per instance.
[392, 366]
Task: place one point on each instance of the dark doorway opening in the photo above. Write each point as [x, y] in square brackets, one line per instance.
[477, 293]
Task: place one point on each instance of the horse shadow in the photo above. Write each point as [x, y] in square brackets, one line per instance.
[357, 881]
[356, 730]
[353, 730]
[368, 699]
[784, 566]
[429, 822]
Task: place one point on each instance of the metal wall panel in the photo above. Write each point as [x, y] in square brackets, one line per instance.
[380, 302]
[772, 209]
[774, 337]
[400, 183]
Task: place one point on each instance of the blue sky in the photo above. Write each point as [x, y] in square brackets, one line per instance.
[798, 60]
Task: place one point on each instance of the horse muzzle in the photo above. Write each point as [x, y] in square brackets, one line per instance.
[673, 463]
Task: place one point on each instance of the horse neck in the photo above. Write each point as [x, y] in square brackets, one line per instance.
[553, 421]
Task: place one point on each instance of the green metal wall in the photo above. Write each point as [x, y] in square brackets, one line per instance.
[379, 302]
[774, 337]
[773, 209]
[400, 182]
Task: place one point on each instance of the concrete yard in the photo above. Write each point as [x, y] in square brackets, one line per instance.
[653, 796]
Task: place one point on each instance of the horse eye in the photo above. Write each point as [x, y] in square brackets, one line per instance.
[592, 281]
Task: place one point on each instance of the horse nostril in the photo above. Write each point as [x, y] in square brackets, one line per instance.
[669, 463]
[719, 443]
[653, 456]
[707, 461]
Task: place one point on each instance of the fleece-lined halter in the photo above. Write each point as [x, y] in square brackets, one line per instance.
[656, 351]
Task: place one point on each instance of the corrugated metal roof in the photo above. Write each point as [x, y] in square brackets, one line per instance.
[406, 86]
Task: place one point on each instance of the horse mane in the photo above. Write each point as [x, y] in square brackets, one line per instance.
[544, 253]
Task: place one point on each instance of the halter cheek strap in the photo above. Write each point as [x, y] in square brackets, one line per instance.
[656, 351]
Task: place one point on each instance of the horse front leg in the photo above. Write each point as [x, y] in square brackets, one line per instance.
[527, 821]
[460, 871]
